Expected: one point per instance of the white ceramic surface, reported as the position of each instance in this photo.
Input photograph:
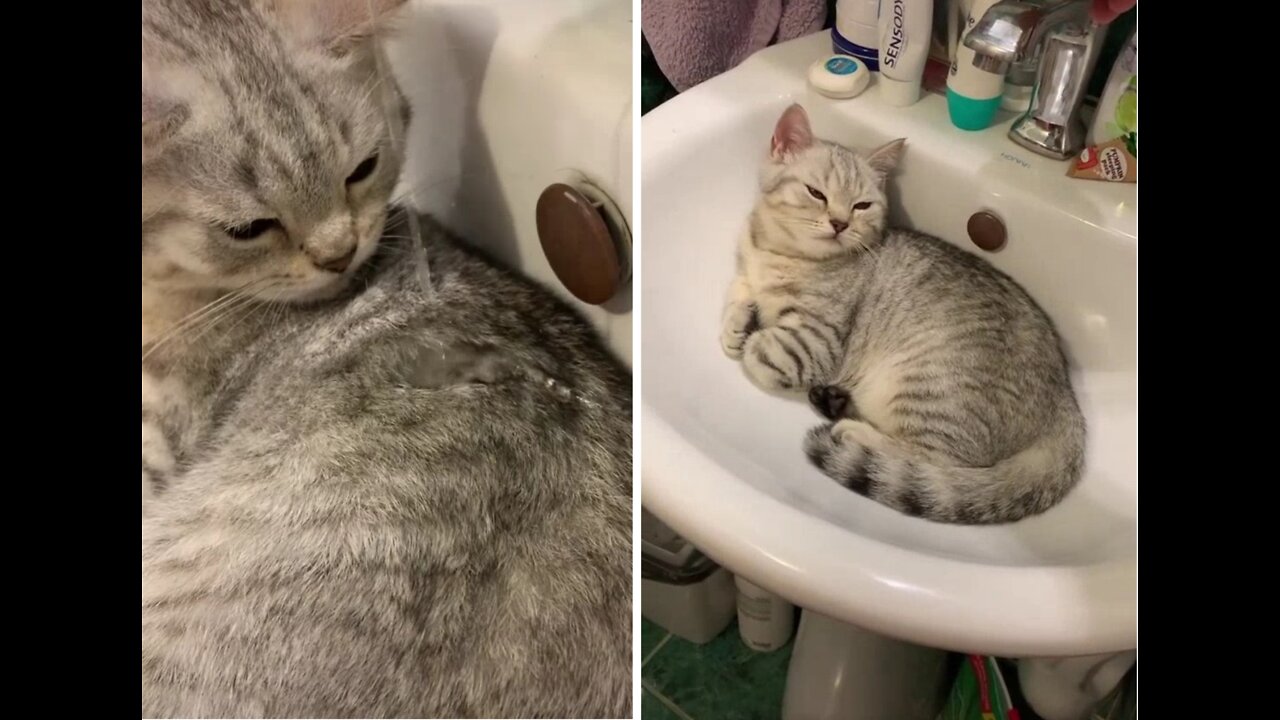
(722, 462)
(507, 96)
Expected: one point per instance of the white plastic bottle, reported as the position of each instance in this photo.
(906, 29)
(1117, 114)
(765, 620)
(973, 95)
(857, 31)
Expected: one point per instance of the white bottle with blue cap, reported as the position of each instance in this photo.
(856, 31)
(973, 94)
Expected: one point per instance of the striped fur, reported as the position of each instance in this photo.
(945, 383)
(361, 499)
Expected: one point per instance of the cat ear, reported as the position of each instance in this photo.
(885, 158)
(336, 25)
(792, 133)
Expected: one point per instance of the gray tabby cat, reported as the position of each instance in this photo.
(367, 500)
(946, 383)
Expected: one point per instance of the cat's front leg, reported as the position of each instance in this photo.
(741, 319)
(775, 361)
(158, 458)
(800, 351)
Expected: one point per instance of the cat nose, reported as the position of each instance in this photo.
(337, 264)
(839, 226)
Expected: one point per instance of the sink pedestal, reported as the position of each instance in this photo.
(1067, 688)
(842, 672)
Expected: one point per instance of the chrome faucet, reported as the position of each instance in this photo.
(1011, 34)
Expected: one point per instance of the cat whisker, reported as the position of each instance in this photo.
(367, 91)
(268, 303)
(211, 313)
(204, 321)
(204, 309)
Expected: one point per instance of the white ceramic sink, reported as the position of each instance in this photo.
(722, 461)
(508, 96)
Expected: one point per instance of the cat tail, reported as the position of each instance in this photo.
(911, 481)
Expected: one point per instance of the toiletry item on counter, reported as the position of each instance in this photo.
(906, 28)
(1019, 86)
(973, 95)
(1110, 161)
(957, 16)
(1016, 97)
(765, 620)
(1117, 115)
(935, 76)
(839, 76)
(857, 31)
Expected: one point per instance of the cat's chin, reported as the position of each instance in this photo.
(311, 292)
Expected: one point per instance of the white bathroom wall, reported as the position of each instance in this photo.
(507, 94)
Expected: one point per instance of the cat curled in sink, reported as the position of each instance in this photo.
(945, 383)
(361, 499)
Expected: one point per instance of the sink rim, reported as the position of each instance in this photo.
(950, 612)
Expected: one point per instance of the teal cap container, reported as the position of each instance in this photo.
(970, 114)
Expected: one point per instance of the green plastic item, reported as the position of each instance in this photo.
(979, 693)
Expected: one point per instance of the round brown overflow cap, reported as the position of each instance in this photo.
(577, 244)
(987, 231)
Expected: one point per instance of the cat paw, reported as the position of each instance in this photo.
(832, 402)
(844, 453)
(768, 363)
(740, 321)
(819, 446)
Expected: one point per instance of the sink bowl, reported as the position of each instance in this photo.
(722, 461)
(509, 97)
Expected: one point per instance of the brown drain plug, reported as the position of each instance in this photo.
(987, 231)
(585, 241)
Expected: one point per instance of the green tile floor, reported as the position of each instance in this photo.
(726, 680)
(722, 680)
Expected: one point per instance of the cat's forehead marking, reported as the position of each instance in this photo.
(293, 142)
(286, 125)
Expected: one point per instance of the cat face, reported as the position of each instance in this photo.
(268, 156)
(823, 199)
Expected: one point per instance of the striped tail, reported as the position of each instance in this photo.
(864, 460)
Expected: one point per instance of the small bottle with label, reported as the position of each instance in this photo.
(765, 620)
(973, 93)
(1117, 115)
(856, 31)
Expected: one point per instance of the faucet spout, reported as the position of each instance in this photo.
(1061, 36)
(1011, 30)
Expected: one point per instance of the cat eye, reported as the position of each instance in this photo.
(363, 170)
(861, 206)
(816, 193)
(253, 230)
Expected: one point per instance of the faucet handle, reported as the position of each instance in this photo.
(1053, 126)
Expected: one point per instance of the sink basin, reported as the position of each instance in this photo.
(508, 97)
(722, 461)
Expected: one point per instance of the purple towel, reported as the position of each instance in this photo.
(695, 40)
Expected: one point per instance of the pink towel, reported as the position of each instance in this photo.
(695, 40)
